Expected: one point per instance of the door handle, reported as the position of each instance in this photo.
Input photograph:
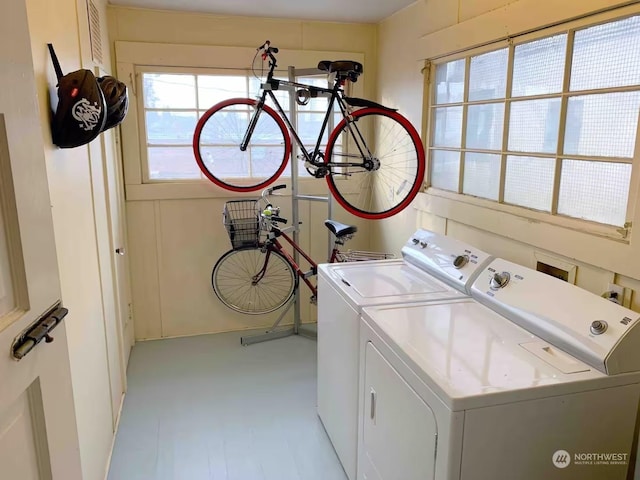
(372, 412)
(120, 251)
(40, 330)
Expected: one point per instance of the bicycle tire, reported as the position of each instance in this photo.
(216, 146)
(232, 281)
(388, 189)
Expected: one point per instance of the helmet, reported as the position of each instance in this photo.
(116, 98)
(80, 113)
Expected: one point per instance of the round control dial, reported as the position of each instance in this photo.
(499, 280)
(460, 261)
(598, 327)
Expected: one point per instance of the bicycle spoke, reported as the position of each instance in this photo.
(233, 280)
(217, 140)
(390, 178)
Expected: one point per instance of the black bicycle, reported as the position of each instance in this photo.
(374, 162)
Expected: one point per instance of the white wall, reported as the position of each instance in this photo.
(175, 231)
(70, 184)
(436, 27)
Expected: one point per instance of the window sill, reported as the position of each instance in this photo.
(176, 190)
(598, 245)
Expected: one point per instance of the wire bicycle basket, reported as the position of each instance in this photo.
(242, 221)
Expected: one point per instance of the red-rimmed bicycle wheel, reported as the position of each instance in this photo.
(216, 145)
(394, 163)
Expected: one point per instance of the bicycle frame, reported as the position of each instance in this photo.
(274, 244)
(314, 159)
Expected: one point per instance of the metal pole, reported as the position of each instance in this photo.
(294, 193)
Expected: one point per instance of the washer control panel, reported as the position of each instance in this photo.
(583, 324)
(452, 261)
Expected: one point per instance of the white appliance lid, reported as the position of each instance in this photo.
(385, 282)
(465, 351)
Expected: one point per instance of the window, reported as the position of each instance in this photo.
(548, 124)
(173, 103)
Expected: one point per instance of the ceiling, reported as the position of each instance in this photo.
(359, 11)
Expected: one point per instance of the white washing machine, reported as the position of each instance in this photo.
(531, 379)
(433, 267)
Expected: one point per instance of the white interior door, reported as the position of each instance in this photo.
(38, 432)
(118, 236)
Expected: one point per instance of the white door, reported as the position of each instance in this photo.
(38, 433)
(112, 331)
(115, 182)
(399, 429)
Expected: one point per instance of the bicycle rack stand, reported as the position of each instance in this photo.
(298, 328)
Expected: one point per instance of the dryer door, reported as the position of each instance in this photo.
(399, 428)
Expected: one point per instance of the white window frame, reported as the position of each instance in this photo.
(554, 218)
(133, 58)
(609, 248)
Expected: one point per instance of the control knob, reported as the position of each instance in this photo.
(423, 244)
(598, 327)
(460, 261)
(499, 280)
(415, 241)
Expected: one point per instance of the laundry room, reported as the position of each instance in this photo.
(319, 240)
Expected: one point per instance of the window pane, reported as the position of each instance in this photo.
(163, 90)
(595, 191)
(482, 175)
(281, 95)
(229, 128)
(538, 67)
(214, 89)
(320, 102)
(257, 162)
(445, 169)
(450, 82)
(607, 55)
(529, 182)
(488, 75)
(485, 126)
(169, 163)
(170, 127)
(533, 125)
(447, 127)
(309, 127)
(602, 125)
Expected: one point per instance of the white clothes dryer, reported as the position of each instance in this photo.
(433, 267)
(531, 379)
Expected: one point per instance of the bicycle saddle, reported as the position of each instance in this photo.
(341, 66)
(340, 229)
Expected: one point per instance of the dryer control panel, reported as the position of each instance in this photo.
(452, 261)
(599, 332)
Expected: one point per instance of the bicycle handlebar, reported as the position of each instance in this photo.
(268, 50)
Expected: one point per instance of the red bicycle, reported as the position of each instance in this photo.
(258, 275)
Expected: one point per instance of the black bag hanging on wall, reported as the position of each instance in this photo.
(80, 113)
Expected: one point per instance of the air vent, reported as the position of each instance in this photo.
(94, 32)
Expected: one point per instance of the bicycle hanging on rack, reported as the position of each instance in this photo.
(258, 275)
(374, 161)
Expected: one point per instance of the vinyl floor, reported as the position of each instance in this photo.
(208, 408)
